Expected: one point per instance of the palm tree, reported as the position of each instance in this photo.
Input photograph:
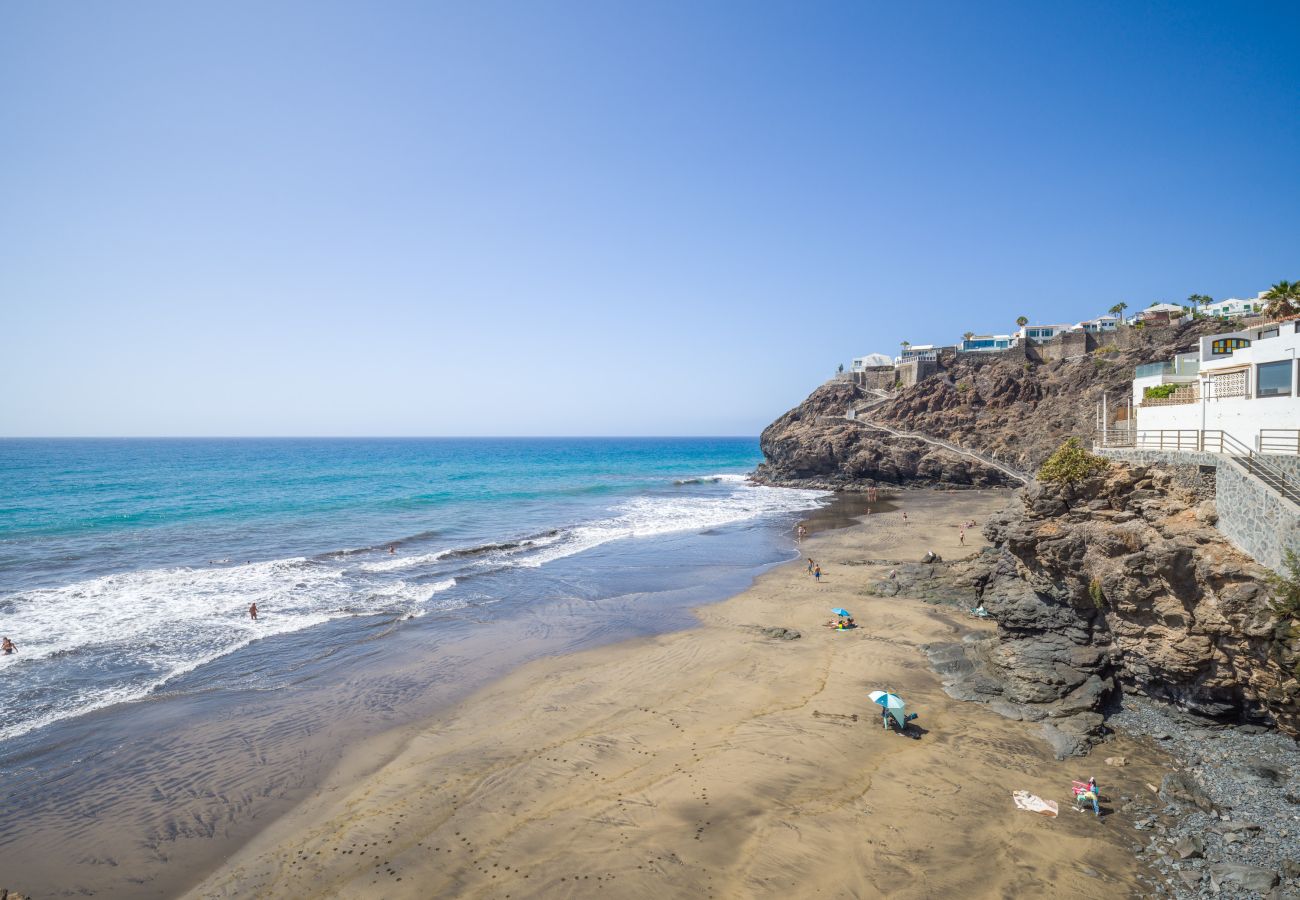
(1199, 300)
(1022, 321)
(968, 335)
(1118, 310)
(1283, 299)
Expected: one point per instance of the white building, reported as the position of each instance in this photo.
(1034, 333)
(1099, 325)
(986, 343)
(1241, 383)
(871, 361)
(1234, 307)
(925, 352)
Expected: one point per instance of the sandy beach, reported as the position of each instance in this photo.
(719, 762)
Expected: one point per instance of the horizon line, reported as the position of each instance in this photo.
(357, 437)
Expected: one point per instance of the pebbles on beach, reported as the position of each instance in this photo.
(1228, 823)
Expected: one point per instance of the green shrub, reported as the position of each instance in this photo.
(1095, 592)
(1286, 588)
(1106, 350)
(963, 386)
(1159, 391)
(1285, 606)
(1071, 464)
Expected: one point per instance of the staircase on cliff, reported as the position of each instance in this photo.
(855, 416)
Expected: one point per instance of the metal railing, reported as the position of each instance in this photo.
(1168, 439)
(1280, 441)
(1224, 444)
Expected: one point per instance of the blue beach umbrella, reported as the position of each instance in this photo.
(891, 702)
(842, 612)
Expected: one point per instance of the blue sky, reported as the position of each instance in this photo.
(600, 218)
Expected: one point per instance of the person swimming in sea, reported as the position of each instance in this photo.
(392, 549)
(7, 646)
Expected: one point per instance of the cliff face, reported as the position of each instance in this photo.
(1012, 409)
(806, 449)
(1122, 581)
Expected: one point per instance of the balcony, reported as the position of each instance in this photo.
(1187, 365)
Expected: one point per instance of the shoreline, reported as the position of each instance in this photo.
(714, 761)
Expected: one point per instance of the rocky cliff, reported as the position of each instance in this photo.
(1118, 582)
(1011, 408)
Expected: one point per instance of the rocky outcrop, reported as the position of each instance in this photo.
(1009, 408)
(1118, 583)
(813, 446)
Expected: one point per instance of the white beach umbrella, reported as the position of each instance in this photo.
(893, 703)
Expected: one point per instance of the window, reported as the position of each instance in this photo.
(1273, 379)
(1224, 346)
(1272, 332)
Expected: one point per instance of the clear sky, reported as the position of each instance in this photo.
(603, 217)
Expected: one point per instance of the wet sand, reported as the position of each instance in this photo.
(717, 762)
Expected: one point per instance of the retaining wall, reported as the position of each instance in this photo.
(1254, 517)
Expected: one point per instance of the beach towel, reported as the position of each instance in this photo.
(1031, 803)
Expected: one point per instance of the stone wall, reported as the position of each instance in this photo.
(881, 378)
(1255, 518)
(912, 371)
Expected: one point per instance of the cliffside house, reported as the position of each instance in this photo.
(986, 343)
(1099, 325)
(923, 352)
(871, 361)
(1159, 313)
(1036, 334)
(1234, 307)
(1242, 384)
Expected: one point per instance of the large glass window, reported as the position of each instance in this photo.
(1273, 379)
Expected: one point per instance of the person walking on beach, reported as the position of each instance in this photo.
(252, 612)
(961, 537)
(802, 532)
(7, 646)
(810, 565)
(817, 573)
(904, 517)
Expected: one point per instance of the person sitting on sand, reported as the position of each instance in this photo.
(7, 646)
(1089, 795)
(849, 623)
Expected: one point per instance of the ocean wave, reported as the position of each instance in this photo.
(657, 515)
(723, 478)
(151, 626)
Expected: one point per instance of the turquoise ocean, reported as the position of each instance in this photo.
(127, 566)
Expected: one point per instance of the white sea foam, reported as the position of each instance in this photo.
(399, 563)
(656, 515)
(166, 622)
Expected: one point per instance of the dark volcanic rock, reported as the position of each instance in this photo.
(1158, 603)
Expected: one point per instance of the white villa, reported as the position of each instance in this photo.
(986, 343)
(1240, 383)
(871, 361)
(1041, 332)
(928, 352)
(1099, 325)
(1233, 307)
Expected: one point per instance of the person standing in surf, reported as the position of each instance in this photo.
(7, 646)
(252, 612)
